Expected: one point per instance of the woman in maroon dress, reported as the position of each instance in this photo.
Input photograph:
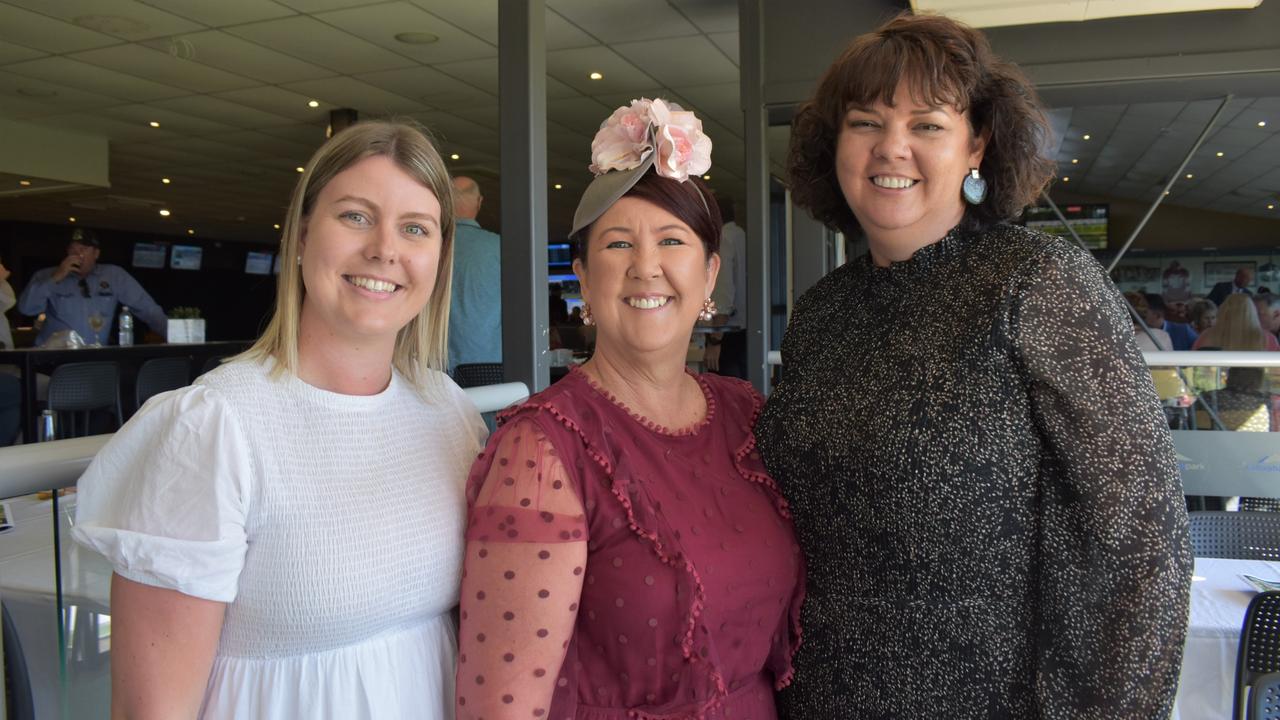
(627, 554)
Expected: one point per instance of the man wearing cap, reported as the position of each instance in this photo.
(81, 295)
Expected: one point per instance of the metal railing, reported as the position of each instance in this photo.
(25, 469)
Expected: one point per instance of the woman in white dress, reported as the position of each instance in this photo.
(286, 533)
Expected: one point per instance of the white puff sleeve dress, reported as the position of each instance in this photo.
(331, 525)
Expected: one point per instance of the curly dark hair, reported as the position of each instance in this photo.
(944, 62)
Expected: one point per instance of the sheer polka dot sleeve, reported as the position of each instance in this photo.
(522, 578)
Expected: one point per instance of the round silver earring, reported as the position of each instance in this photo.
(974, 188)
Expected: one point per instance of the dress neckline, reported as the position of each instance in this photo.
(924, 260)
(687, 431)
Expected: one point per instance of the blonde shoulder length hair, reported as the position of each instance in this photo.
(1238, 327)
(422, 344)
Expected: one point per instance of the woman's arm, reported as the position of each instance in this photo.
(162, 649)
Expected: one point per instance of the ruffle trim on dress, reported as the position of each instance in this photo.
(748, 449)
(694, 613)
(693, 429)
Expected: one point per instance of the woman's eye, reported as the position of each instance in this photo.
(417, 230)
(929, 127)
(861, 124)
(618, 245)
(671, 241)
(355, 217)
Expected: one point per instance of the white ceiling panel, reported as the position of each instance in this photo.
(10, 53)
(222, 111)
(351, 93)
(124, 19)
(54, 99)
(478, 73)
(574, 68)
(215, 151)
(266, 145)
(315, 6)
(278, 101)
(449, 129)
(308, 135)
(428, 86)
(639, 20)
(92, 78)
(582, 115)
(118, 131)
(719, 102)
(561, 34)
(381, 24)
(728, 44)
(681, 61)
(324, 45)
(557, 90)
(711, 16)
(223, 12)
(1240, 136)
(33, 30)
(484, 115)
(221, 50)
(141, 61)
(170, 121)
(478, 17)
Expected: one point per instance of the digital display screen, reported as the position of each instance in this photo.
(258, 263)
(186, 257)
(148, 255)
(1088, 220)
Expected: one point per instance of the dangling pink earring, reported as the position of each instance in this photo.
(587, 319)
(708, 310)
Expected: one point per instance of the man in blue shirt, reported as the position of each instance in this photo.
(1182, 334)
(81, 295)
(475, 311)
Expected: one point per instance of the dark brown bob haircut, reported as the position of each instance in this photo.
(685, 200)
(944, 62)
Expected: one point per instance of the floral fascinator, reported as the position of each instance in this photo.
(645, 134)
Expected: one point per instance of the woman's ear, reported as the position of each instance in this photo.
(713, 272)
(579, 269)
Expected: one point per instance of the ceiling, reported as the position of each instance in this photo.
(229, 83)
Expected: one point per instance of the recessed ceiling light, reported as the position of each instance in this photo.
(276, 226)
(1085, 136)
(455, 156)
(417, 38)
(1220, 153)
(596, 76)
(1075, 161)
(1066, 179)
(1166, 192)
(1190, 175)
(1262, 123)
(165, 213)
(71, 219)
(24, 183)
(1271, 206)
(313, 103)
(300, 169)
(190, 231)
(557, 186)
(154, 124)
(706, 177)
(164, 180)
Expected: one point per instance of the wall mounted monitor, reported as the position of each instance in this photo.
(258, 263)
(186, 257)
(1089, 220)
(148, 255)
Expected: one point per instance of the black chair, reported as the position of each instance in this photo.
(17, 678)
(158, 375)
(76, 390)
(1258, 661)
(477, 374)
(1260, 504)
(211, 363)
(1237, 535)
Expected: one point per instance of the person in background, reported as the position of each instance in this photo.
(1181, 334)
(981, 474)
(10, 382)
(1268, 306)
(727, 350)
(1237, 328)
(286, 533)
(475, 315)
(82, 294)
(1158, 340)
(1237, 285)
(1202, 315)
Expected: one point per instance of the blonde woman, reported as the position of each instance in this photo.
(287, 532)
(1237, 328)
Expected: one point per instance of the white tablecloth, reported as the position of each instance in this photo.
(1219, 598)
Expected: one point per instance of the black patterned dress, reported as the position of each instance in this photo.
(984, 486)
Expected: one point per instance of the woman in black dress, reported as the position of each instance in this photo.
(980, 473)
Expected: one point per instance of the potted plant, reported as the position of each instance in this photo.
(185, 325)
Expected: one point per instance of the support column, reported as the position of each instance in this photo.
(756, 171)
(522, 84)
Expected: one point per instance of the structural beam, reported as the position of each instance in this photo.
(522, 85)
(756, 171)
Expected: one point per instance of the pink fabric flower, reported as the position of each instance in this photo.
(632, 132)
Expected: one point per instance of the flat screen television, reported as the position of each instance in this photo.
(558, 256)
(258, 263)
(1089, 220)
(148, 255)
(186, 257)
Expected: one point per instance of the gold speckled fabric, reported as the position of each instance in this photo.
(985, 489)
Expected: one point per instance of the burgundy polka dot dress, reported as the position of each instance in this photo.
(617, 569)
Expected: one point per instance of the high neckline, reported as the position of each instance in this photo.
(924, 260)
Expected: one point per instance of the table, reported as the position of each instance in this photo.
(1219, 598)
(130, 358)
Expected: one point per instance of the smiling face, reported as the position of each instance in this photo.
(900, 168)
(370, 253)
(646, 277)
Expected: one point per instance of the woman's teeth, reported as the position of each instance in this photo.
(371, 284)
(896, 183)
(648, 303)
